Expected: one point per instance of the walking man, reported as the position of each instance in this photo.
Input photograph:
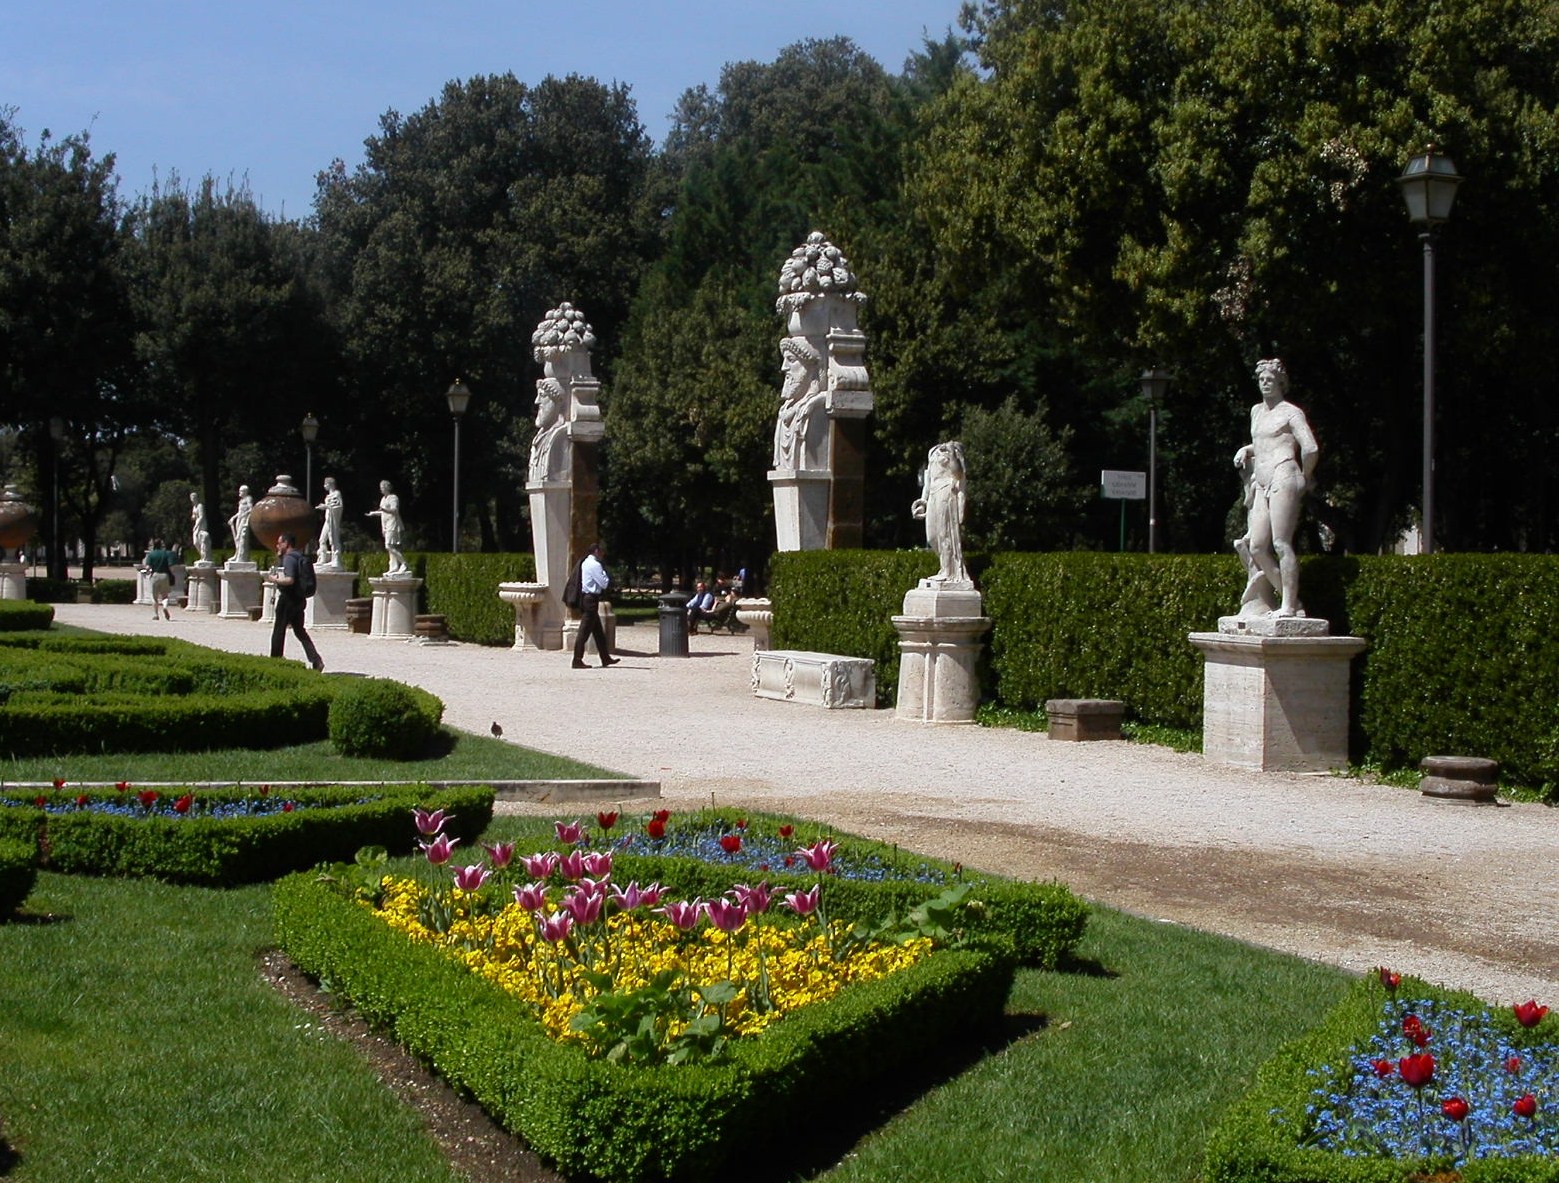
(290, 601)
(593, 582)
(159, 561)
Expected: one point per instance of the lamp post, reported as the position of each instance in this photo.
(459, 397)
(309, 429)
(56, 567)
(1429, 188)
(1155, 383)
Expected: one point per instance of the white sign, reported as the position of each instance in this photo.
(1124, 486)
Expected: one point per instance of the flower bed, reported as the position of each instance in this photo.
(1403, 1082)
(627, 1034)
(220, 836)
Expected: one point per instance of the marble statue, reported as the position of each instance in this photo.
(200, 534)
(547, 451)
(330, 532)
(799, 400)
(389, 515)
(1275, 467)
(941, 504)
(239, 525)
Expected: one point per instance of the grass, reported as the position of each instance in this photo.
(141, 1013)
(460, 756)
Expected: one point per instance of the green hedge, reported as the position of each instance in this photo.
(599, 1119)
(222, 851)
(462, 588)
(380, 718)
(1463, 653)
(18, 873)
(1258, 1139)
(24, 616)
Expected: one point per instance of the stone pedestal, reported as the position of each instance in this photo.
(1276, 703)
(13, 582)
(395, 608)
(551, 504)
(800, 508)
(326, 611)
(240, 589)
(203, 593)
(179, 594)
(757, 613)
(268, 601)
(143, 586)
(817, 679)
(1460, 780)
(940, 637)
(528, 599)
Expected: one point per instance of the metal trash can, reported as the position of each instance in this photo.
(673, 624)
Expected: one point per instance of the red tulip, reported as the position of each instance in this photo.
(606, 820)
(656, 829)
(1383, 1068)
(183, 803)
(147, 797)
(1413, 1027)
(730, 843)
(1513, 1065)
(287, 806)
(40, 800)
(1525, 1106)
(741, 823)
(661, 815)
(121, 785)
(1389, 980)
(1529, 1014)
(59, 782)
(1417, 1070)
(1455, 1108)
(81, 801)
(786, 831)
(265, 790)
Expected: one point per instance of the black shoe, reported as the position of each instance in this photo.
(319, 665)
(606, 661)
(579, 665)
(166, 615)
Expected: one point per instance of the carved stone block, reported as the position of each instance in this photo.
(818, 679)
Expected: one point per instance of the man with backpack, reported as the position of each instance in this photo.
(295, 583)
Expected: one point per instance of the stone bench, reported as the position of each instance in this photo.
(1085, 718)
(818, 679)
(1462, 780)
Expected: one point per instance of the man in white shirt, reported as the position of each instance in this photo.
(593, 582)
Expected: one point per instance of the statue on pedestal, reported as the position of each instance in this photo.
(239, 525)
(547, 445)
(389, 515)
(200, 534)
(330, 533)
(941, 504)
(1276, 467)
(799, 399)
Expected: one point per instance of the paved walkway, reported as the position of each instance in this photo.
(1325, 867)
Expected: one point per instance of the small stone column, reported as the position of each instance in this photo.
(13, 582)
(326, 610)
(941, 634)
(395, 607)
(143, 586)
(203, 593)
(240, 589)
(1275, 694)
(528, 600)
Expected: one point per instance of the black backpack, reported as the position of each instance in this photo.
(307, 583)
(573, 597)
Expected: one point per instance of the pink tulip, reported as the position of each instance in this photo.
(532, 897)
(628, 898)
(584, 907)
(540, 866)
(804, 903)
(598, 864)
(428, 824)
(569, 833)
(472, 877)
(819, 855)
(439, 850)
(754, 899)
(500, 854)
(725, 915)
(557, 927)
(683, 913)
(594, 887)
(572, 865)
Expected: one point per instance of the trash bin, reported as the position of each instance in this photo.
(673, 624)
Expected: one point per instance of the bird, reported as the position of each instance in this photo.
(497, 730)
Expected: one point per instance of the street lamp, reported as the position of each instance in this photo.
(1429, 188)
(459, 397)
(309, 429)
(1155, 384)
(56, 567)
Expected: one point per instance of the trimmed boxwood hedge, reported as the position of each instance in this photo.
(18, 873)
(1257, 1141)
(595, 1118)
(227, 851)
(24, 616)
(462, 588)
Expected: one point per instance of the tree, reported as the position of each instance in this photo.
(466, 222)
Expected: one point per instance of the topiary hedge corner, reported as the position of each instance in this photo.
(25, 616)
(18, 873)
(381, 719)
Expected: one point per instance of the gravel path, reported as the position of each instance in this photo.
(1328, 868)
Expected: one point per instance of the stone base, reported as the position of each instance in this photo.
(204, 595)
(240, 591)
(940, 639)
(1460, 780)
(1078, 719)
(1274, 626)
(395, 607)
(758, 615)
(326, 611)
(1277, 704)
(143, 587)
(13, 582)
(529, 600)
(801, 508)
(817, 679)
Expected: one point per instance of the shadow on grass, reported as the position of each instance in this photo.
(36, 920)
(1085, 967)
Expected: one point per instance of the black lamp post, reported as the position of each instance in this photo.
(1155, 383)
(56, 568)
(459, 398)
(1429, 188)
(309, 429)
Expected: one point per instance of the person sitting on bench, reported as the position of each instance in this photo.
(700, 607)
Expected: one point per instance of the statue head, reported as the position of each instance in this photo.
(801, 364)
(386, 488)
(330, 484)
(550, 398)
(243, 490)
(1272, 375)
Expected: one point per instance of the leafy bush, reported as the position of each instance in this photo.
(43, 590)
(24, 616)
(18, 872)
(113, 591)
(385, 719)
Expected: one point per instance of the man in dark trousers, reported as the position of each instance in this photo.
(593, 582)
(290, 601)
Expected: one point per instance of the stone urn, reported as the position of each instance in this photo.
(18, 520)
(283, 510)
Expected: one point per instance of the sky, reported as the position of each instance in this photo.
(276, 91)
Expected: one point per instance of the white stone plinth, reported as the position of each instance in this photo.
(240, 590)
(1277, 704)
(757, 613)
(13, 582)
(551, 507)
(800, 508)
(528, 600)
(326, 610)
(817, 679)
(203, 593)
(940, 638)
(395, 608)
(143, 586)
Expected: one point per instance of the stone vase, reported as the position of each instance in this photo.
(18, 520)
(283, 510)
